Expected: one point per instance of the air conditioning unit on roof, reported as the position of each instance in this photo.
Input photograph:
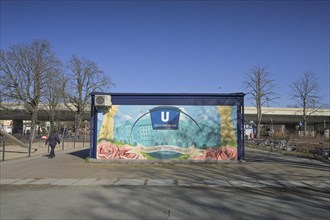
(102, 100)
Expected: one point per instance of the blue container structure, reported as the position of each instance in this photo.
(189, 127)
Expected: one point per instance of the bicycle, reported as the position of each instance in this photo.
(321, 153)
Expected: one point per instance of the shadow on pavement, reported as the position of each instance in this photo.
(81, 153)
(290, 161)
(17, 152)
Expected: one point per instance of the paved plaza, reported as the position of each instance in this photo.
(70, 167)
(266, 186)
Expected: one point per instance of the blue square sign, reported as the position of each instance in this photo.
(165, 118)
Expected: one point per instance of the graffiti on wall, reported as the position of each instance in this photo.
(167, 132)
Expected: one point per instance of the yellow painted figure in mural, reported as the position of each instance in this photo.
(227, 126)
(107, 128)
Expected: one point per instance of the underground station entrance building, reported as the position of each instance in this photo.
(167, 127)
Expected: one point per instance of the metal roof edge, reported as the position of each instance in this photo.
(240, 94)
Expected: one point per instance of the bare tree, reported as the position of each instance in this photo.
(85, 77)
(261, 88)
(23, 73)
(305, 91)
(53, 93)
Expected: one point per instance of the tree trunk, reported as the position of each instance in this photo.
(304, 117)
(259, 116)
(33, 128)
(52, 119)
(305, 126)
(77, 123)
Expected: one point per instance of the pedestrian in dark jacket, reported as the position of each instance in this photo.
(53, 139)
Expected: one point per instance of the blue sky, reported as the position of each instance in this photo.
(181, 46)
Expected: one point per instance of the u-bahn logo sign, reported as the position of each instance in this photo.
(165, 118)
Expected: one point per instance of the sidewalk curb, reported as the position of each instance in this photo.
(205, 183)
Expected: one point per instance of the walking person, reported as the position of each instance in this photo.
(53, 139)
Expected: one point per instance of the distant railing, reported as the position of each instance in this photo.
(67, 142)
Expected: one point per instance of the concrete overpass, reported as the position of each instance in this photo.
(13, 111)
(287, 115)
(283, 116)
(290, 117)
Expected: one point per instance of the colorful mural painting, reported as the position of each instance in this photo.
(174, 132)
(174, 127)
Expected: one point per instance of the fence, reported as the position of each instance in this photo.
(300, 146)
(10, 150)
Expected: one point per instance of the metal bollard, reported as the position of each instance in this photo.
(62, 142)
(63, 134)
(3, 147)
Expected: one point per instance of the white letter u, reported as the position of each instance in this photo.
(167, 116)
